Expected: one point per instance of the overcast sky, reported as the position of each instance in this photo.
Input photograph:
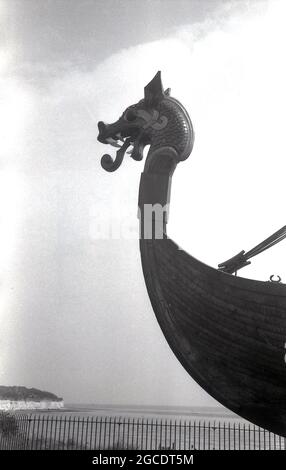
(75, 316)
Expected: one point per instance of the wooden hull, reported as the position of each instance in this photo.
(228, 332)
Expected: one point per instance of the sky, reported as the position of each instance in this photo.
(75, 317)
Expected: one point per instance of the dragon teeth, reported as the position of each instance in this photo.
(112, 141)
(131, 150)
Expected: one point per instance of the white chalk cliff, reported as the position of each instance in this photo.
(23, 398)
(9, 405)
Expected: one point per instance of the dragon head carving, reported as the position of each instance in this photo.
(157, 120)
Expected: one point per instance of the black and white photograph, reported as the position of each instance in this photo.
(142, 226)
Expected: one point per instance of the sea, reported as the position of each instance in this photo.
(178, 413)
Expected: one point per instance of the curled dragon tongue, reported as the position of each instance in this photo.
(156, 120)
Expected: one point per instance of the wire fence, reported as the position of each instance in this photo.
(49, 432)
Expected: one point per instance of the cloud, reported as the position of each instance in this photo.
(230, 75)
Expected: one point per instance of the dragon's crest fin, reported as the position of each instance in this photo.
(154, 91)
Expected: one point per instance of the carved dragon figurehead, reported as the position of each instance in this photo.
(157, 120)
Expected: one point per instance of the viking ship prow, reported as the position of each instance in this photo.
(228, 332)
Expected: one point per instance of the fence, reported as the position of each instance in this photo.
(70, 432)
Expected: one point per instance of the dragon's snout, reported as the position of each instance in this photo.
(101, 126)
(109, 134)
(102, 132)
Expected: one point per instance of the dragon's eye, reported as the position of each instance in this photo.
(130, 115)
